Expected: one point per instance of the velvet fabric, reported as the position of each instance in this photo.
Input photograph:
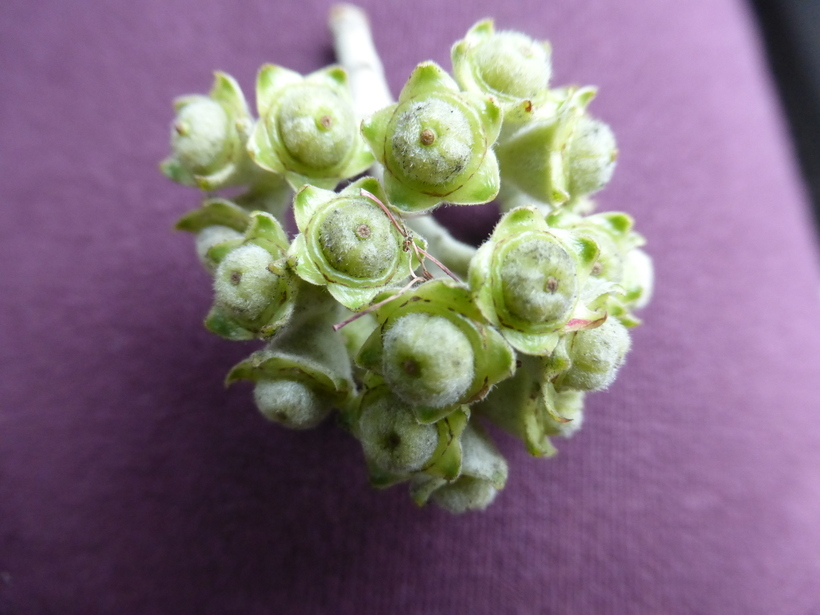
(132, 482)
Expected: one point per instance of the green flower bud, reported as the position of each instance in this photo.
(348, 243)
(246, 283)
(510, 66)
(291, 403)
(596, 355)
(307, 129)
(591, 153)
(435, 143)
(433, 350)
(424, 373)
(483, 475)
(562, 156)
(527, 281)
(391, 436)
(208, 138)
(253, 290)
(639, 278)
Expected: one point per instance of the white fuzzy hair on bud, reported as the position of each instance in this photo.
(199, 135)
(450, 147)
(428, 360)
(393, 439)
(596, 355)
(591, 153)
(482, 468)
(290, 403)
(243, 284)
(210, 236)
(514, 64)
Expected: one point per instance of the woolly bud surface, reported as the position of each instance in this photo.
(357, 239)
(290, 403)
(244, 284)
(512, 63)
(317, 127)
(596, 355)
(539, 280)
(199, 135)
(591, 154)
(432, 141)
(393, 439)
(210, 236)
(428, 360)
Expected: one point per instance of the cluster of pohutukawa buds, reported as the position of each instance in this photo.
(373, 311)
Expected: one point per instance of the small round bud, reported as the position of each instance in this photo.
(290, 403)
(317, 127)
(591, 154)
(467, 493)
(432, 141)
(392, 438)
(512, 63)
(210, 236)
(596, 355)
(357, 239)
(539, 280)
(428, 360)
(244, 283)
(200, 135)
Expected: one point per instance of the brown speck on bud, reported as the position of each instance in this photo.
(362, 231)
(181, 128)
(411, 368)
(596, 268)
(236, 277)
(552, 284)
(427, 137)
(326, 121)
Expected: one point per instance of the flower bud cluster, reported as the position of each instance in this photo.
(415, 364)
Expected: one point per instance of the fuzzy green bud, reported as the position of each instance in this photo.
(290, 403)
(391, 436)
(358, 239)
(435, 143)
(508, 65)
(307, 130)
(539, 279)
(591, 154)
(245, 283)
(596, 356)
(428, 360)
(200, 134)
(317, 126)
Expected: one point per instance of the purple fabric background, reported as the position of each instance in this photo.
(132, 482)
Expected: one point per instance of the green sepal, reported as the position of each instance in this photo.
(214, 212)
(218, 252)
(265, 231)
(374, 129)
(224, 326)
(301, 263)
(481, 187)
(427, 78)
(407, 200)
(446, 459)
(261, 150)
(269, 80)
(226, 90)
